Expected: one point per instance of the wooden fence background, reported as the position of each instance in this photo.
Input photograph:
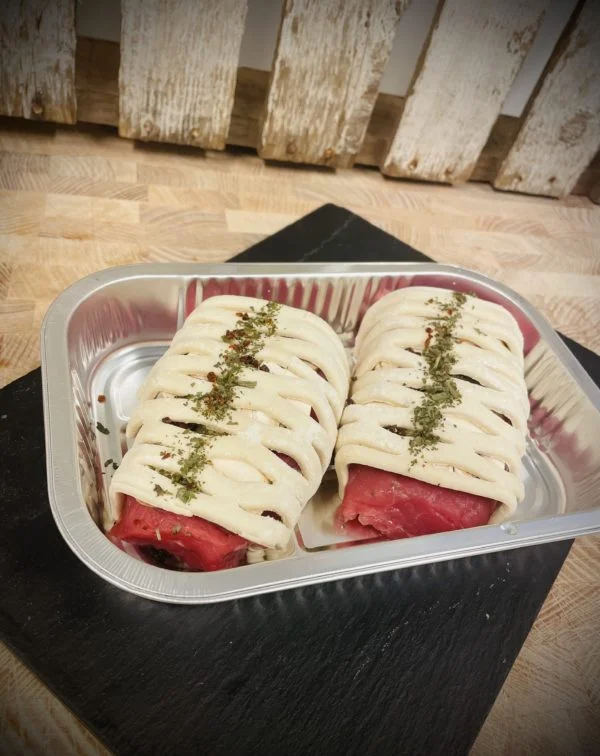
(175, 78)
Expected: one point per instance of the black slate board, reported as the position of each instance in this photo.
(403, 662)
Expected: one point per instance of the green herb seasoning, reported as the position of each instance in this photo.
(191, 463)
(102, 428)
(439, 388)
(244, 342)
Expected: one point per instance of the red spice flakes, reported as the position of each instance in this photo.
(249, 361)
(101, 398)
(243, 344)
(165, 455)
(429, 337)
(212, 377)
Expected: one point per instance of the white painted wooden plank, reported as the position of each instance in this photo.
(37, 59)
(329, 61)
(474, 52)
(178, 69)
(561, 129)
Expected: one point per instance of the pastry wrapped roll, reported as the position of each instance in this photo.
(436, 426)
(234, 430)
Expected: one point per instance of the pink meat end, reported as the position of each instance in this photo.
(380, 503)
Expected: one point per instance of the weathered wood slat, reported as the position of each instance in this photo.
(179, 61)
(98, 102)
(37, 59)
(473, 54)
(561, 129)
(329, 61)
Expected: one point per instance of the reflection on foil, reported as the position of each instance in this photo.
(564, 424)
(102, 323)
(89, 471)
(106, 322)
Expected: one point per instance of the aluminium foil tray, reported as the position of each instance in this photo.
(103, 334)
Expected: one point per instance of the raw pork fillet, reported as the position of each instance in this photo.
(177, 541)
(380, 503)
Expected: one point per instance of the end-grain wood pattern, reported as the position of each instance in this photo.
(179, 61)
(37, 59)
(329, 61)
(474, 52)
(561, 129)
